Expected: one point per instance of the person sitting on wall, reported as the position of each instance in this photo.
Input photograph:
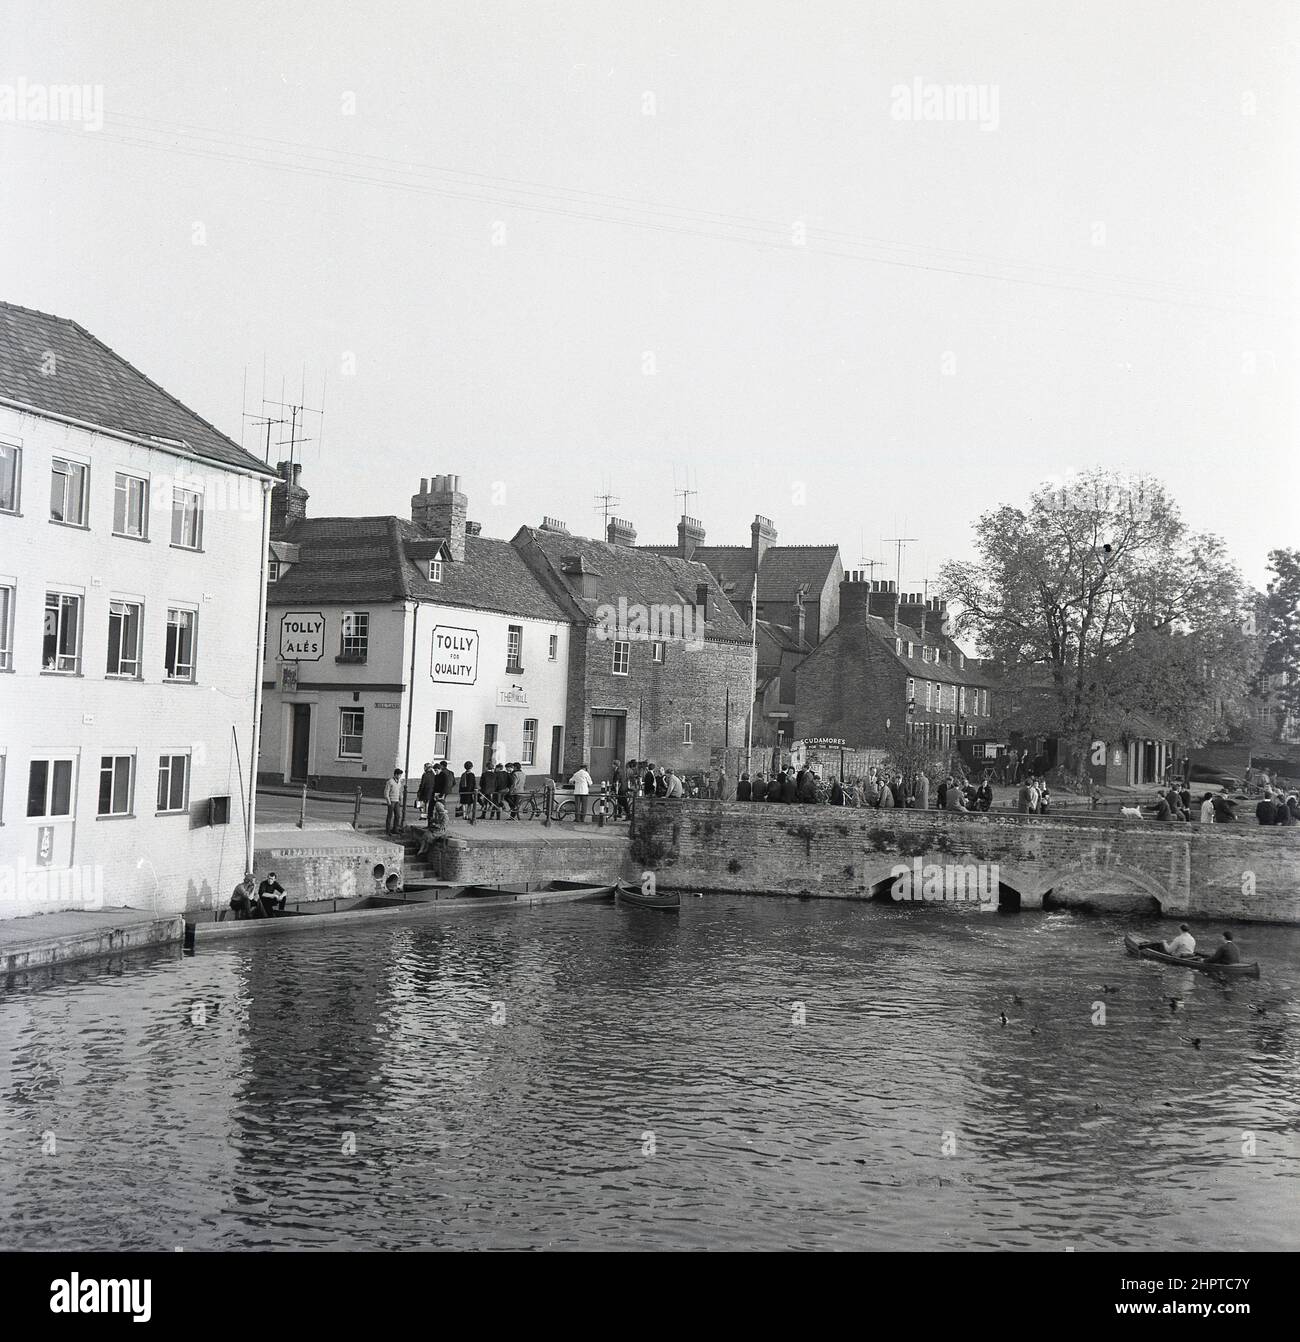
(789, 788)
(744, 789)
(806, 788)
(266, 893)
(435, 832)
(241, 902)
(984, 794)
(1224, 811)
(661, 782)
(724, 791)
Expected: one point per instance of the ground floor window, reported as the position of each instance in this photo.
(352, 729)
(529, 755)
(173, 782)
(49, 788)
(442, 734)
(115, 779)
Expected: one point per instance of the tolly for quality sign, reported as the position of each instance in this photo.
(455, 655)
(302, 636)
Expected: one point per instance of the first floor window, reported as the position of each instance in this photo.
(173, 782)
(49, 788)
(187, 518)
(273, 570)
(435, 570)
(442, 734)
(686, 734)
(61, 649)
(352, 730)
(6, 628)
(68, 492)
(355, 639)
(657, 651)
(130, 506)
(552, 647)
(115, 784)
(529, 755)
(622, 653)
(180, 644)
(514, 649)
(123, 638)
(10, 474)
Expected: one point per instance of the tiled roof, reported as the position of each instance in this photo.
(949, 673)
(356, 559)
(90, 382)
(642, 576)
(784, 570)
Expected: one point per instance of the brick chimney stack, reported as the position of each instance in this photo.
(912, 611)
(619, 532)
(439, 510)
(855, 594)
(939, 620)
(883, 601)
(288, 498)
(762, 534)
(690, 533)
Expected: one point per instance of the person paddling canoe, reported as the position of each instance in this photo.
(1183, 944)
(1226, 953)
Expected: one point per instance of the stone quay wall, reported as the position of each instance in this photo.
(1241, 872)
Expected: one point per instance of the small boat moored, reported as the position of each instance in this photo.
(638, 899)
(1241, 970)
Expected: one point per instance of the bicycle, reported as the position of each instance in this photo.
(533, 804)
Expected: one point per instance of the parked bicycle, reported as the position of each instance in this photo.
(533, 804)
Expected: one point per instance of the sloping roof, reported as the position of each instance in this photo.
(641, 576)
(783, 637)
(951, 673)
(92, 383)
(784, 570)
(359, 559)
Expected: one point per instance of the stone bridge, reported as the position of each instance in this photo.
(1241, 871)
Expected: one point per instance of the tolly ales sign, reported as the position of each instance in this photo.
(302, 636)
(455, 655)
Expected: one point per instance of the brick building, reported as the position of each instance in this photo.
(889, 666)
(660, 664)
(798, 585)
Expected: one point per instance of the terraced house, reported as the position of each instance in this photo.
(392, 641)
(131, 542)
(660, 664)
(889, 667)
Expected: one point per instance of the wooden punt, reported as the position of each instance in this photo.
(1241, 970)
(637, 899)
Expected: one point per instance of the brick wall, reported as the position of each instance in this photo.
(838, 852)
(851, 686)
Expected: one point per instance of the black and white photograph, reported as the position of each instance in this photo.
(659, 628)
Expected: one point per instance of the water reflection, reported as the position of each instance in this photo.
(587, 1076)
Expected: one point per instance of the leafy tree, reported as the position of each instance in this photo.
(1097, 600)
(1280, 632)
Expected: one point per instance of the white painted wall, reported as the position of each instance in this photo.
(145, 860)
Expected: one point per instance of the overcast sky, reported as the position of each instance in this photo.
(554, 247)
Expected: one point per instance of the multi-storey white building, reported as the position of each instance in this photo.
(132, 536)
(393, 642)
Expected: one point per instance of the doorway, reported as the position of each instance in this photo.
(606, 745)
(300, 743)
(557, 738)
(489, 745)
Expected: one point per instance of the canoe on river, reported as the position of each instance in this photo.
(1242, 970)
(634, 897)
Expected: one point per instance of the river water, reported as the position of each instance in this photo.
(761, 1073)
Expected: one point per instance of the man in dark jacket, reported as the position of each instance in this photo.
(807, 789)
(789, 788)
(1224, 811)
(941, 794)
(425, 793)
(744, 789)
(1265, 811)
(648, 780)
(837, 793)
(444, 781)
(984, 794)
(468, 787)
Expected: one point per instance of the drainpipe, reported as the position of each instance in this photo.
(410, 707)
(257, 684)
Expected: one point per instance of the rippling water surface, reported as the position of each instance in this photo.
(592, 1077)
